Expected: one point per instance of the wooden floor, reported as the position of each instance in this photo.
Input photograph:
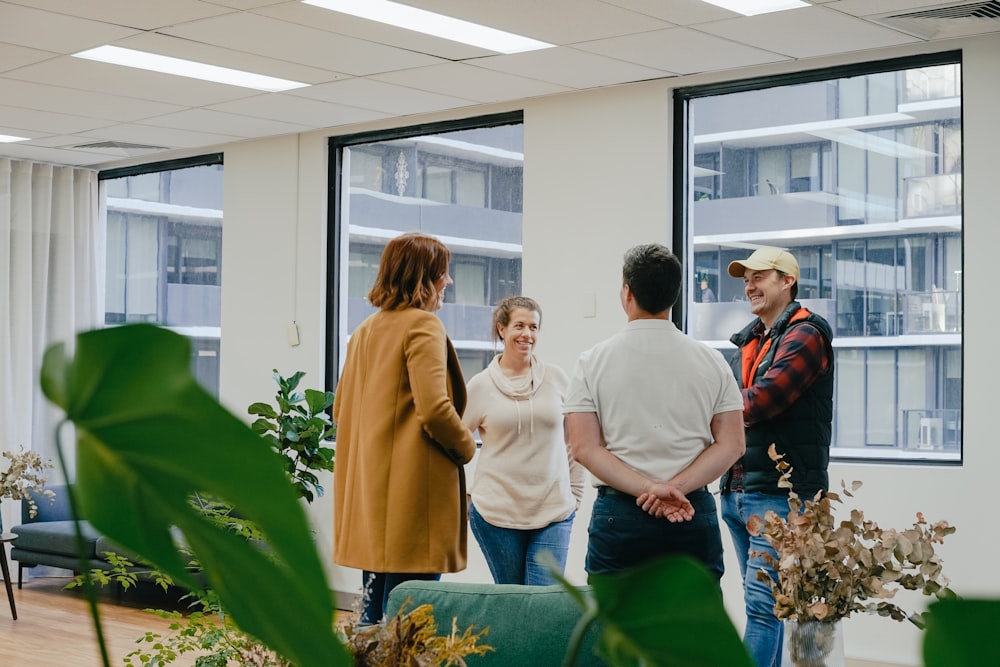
(54, 627)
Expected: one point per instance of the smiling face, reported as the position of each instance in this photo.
(769, 293)
(520, 333)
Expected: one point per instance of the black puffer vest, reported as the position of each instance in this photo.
(802, 432)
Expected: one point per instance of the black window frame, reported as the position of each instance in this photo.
(680, 213)
(336, 146)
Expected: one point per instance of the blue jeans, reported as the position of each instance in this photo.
(622, 535)
(376, 587)
(764, 632)
(514, 556)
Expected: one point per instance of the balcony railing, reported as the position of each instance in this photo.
(933, 196)
(932, 312)
(932, 429)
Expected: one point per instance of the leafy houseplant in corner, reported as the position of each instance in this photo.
(828, 570)
(297, 429)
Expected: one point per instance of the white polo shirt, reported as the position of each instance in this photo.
(655, 391)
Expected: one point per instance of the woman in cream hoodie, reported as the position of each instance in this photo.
(526, 488)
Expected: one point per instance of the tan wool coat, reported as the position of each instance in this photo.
(399, 482)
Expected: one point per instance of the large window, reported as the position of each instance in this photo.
(859, 173)
(459, 182)
(164, 248)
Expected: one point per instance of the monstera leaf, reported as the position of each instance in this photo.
(959, 631)
(666, 613)
(148, 439)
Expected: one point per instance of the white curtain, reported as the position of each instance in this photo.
(51, 244)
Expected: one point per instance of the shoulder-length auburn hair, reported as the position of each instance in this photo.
(411, 264)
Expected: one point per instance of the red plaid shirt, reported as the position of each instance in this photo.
(798, 361)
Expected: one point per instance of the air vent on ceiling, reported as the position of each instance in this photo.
(947, 21)
(122, 148)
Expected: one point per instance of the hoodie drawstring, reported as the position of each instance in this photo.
(531, 415)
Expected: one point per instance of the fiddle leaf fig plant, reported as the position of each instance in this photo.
(149, 438)
(297, 427)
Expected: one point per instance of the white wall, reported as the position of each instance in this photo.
(586, 154)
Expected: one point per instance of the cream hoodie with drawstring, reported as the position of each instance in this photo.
(524, 477)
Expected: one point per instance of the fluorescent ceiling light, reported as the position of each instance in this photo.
(8, 139)
(754, 7)
(116, 55)
(429, 23)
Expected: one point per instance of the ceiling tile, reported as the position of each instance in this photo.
(206, 120)
(62, 140)
(570, 67)
(875, 7)
(361, 70)
(83, 103)
(163, 136)
(53, 155)
(38, 29)
(679, 12)
(47, 122)
(16, 132)
(313, 113)
(281, 40)
(177, 47)
(244, 4)
(807, 32)
(75, 73)
(12, 56)
(556, 21)
(381, 96)
(459, 80)
(130, 13)
(682, 50)
(370, 31)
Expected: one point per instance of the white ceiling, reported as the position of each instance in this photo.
(363, 71)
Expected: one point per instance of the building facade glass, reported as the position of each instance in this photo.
(164, 255)
(860, 176)
(463, 186)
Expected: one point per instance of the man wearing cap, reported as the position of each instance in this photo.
(784, 367)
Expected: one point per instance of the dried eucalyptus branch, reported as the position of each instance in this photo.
(828, 570)
(25, 473)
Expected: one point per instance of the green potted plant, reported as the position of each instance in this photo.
(297, 427)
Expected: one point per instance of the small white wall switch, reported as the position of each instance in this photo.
(293, 334)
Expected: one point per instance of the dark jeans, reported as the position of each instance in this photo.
(376, 587)
(622, 535)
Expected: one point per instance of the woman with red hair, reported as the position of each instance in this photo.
(400, 508)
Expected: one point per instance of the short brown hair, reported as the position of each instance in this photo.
(653, 274)
(410, 265)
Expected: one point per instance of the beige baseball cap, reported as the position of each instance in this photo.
(766, 258)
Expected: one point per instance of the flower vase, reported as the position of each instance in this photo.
(814, 643)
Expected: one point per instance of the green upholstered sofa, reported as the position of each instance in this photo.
(528, 625)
